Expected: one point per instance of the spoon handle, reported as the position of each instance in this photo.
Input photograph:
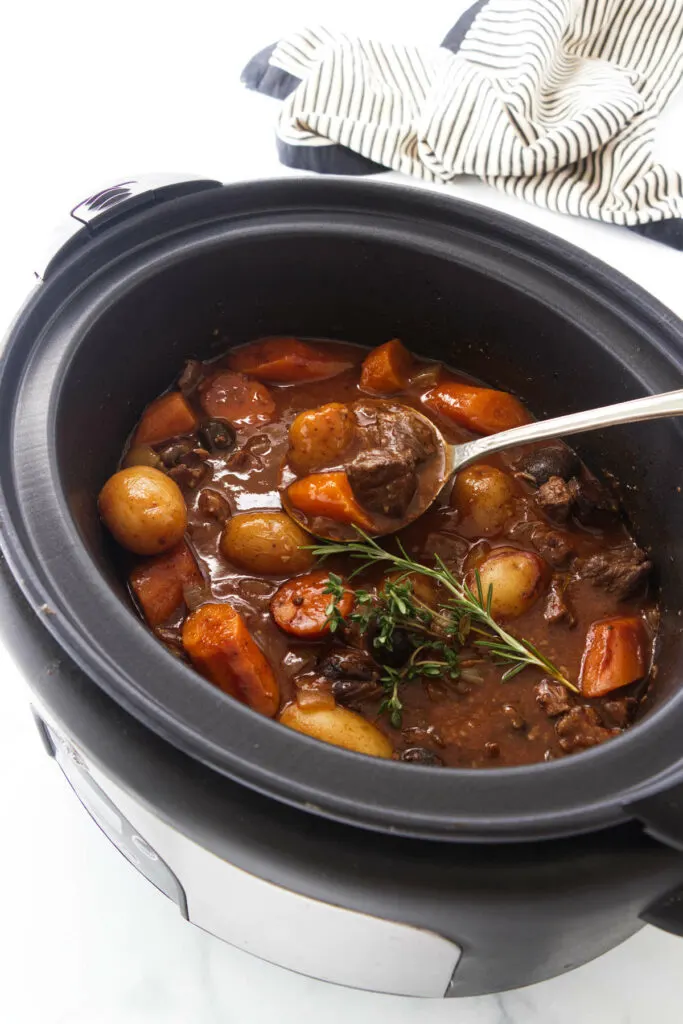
(653, 407)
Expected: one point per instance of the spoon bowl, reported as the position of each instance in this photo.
(432, 479)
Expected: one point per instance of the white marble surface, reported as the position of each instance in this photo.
(90, 92)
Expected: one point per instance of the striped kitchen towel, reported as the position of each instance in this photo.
(553, 101)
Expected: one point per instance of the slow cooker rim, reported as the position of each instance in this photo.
(607, 811)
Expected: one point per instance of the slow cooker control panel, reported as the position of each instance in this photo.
(323, 940)
(134, 847)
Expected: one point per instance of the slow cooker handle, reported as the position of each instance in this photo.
(661, 815)
(109, 205)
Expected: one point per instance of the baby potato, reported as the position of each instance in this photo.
(338, 726)
(517, 577)
(266, 542)
(483, 496)
(144, 510)
(317, 437)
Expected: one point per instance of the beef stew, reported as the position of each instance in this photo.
(225, 481)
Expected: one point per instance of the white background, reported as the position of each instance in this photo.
(91, 93)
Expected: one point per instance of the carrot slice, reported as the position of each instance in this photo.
(614, 655)
(387, 368)
(286, 361)
(165, 417)
(231, 396)
(158, 582)
(329, 495)
(301, 605)
(318, 436)
(221, 647)
(480, 409)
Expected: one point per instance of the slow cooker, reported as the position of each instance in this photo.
(363, 872)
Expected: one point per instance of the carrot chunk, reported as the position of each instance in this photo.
(231, 396)
(615, 655)
(165, 417)
(158, 582)
(387, 368)
(301, 605)
(480, 409)
(328, 495)
(318, 436)
(285, 361)
(221, 647)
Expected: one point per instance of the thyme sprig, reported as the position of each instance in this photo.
(396, 611)
(434, 633)
(335, 588)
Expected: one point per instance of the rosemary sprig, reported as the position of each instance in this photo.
(467, 612)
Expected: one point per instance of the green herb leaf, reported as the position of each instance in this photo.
(465, 614)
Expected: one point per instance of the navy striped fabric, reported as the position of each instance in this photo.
(553, 101)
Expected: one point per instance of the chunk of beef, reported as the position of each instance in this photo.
(352, 692)
(354, 676)
(621, 571)
(383, 480)
(581, 496)
(241, 461)
(553, 698)
(555, 498)
(557, 607)
(592, 503)
(188, 474)
(248, 457)
(394, 428)
(581, 728)
(412, 431)
(556, 547)
(395, 440)
(350, 663)
(184, 462)
(543, 463)
(618, 713)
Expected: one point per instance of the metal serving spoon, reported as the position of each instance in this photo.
(458, 456)
(653, 407)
